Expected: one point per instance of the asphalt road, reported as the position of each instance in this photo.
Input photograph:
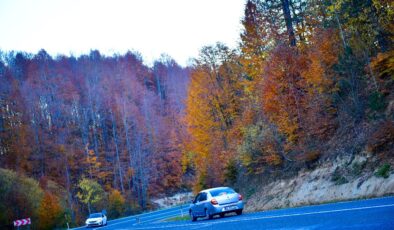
(362, 214)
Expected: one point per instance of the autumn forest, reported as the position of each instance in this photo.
(82, 134)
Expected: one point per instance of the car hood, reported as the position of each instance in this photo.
(95, 219)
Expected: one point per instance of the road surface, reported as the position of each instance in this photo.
(362, 214)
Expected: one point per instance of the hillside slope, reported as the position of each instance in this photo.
(319, 186)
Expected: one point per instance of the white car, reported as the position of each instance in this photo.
(96, 219)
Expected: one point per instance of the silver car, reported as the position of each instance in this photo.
(216, 201)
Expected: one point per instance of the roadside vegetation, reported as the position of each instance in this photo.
(383, 171)
(178, 218)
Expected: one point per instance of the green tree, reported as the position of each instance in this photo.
(91, 193)
(20, 197)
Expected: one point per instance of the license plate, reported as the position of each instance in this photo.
(230, 208)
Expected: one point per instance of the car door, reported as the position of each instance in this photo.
(201, 204)
(194, 206)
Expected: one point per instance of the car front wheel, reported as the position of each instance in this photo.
(239, 212)
(192, 216)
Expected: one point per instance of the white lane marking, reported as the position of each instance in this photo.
(269, 217)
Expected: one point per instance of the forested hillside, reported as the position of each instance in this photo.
(111, 121)
(310, 81)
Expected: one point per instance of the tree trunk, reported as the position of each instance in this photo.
(69, 193)
(117, 152)
(289, 22)
(89, 208)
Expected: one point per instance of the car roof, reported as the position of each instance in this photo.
(95, 213)
(212, 189)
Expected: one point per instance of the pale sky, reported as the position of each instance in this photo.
(152, 27)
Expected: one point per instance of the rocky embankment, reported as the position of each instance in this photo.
(343, 179)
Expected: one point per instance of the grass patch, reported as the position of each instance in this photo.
(383, 171)
(178, 218)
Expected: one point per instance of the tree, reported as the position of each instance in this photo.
(212, 107)
(255, 44)
(20, 197)
(260, 148)
(116, 204)
(50, 212)
(94, 116)
(91, 193)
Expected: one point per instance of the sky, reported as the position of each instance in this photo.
(179, 28)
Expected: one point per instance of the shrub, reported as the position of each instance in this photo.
(116, 204)
(357, 168)
(231, 172)
(337, 177)
(250, 192)
(20, 197)
(382, 140)
(201, 182)
(50, 212)
(259, 149)
(383, 171)
(312, 156)
(376, 101)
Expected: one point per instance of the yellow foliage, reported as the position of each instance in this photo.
(116, 204)
(212, 106)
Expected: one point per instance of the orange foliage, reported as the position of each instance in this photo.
(383, 66)
(116, 204)
(295, 82)
(382, 140)
(49, 212)
(212, 107)
(282, 91)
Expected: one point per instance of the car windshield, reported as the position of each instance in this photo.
(221, 192)
(95, 215)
